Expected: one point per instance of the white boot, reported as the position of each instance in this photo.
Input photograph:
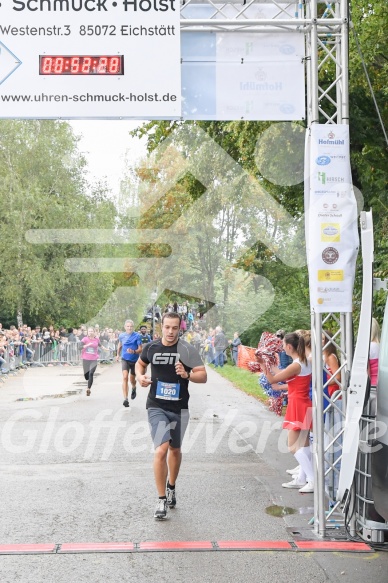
(303, 455)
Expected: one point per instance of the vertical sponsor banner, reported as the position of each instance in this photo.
(331, 220)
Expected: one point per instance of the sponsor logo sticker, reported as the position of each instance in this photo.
(330, 232)
(323, 160)
(330, 275)
(330, 255)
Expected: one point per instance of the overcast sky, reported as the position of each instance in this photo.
(106, 144)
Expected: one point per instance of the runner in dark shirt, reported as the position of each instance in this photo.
(173, 363)
(144, 336)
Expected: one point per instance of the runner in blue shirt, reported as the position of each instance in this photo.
(128, 349)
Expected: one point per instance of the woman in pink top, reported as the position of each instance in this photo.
(89, 356)
(298, 416)
(374, 352)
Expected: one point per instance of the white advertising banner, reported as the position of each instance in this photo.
(229, 76)
(331, 220)
(267, 90)
(90, 59)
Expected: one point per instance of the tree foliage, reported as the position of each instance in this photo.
(42, 186)
(221, 199)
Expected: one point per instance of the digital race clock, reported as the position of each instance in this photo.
(81, 65)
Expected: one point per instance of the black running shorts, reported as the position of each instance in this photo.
(128, 366)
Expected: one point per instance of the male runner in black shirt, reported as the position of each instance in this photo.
(173, 362)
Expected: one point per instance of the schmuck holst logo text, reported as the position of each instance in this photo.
(94, 5)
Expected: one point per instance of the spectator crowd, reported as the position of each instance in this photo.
(50, 345)
(29, 345)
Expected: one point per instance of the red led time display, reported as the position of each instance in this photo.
(81, 65)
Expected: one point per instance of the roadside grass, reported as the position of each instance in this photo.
(242, 379)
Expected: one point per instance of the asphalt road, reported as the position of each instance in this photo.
(79, 469)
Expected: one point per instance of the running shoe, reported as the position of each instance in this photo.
(161, 509)
(293, 471)
(126, 403)
(294, 484)
(133, 394)
(88, 392)
(171, 498)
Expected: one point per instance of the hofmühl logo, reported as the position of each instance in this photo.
(322, 142)
(331, 141)
(323, 160)
(330, 255)
(265, 86)
(170, 358)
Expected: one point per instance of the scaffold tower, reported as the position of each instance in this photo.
(325, 26)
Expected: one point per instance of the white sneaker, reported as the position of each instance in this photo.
(307, 488)
(293, 484)
(293, 471)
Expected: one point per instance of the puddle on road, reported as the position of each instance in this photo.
(279, 511)
(56, 396)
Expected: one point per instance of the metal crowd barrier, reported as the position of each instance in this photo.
(11, 361)
(364, 520)
(18, 356)
(67, 353)
(332, 425)
(370, 525)
(56, 353)
(334, 417)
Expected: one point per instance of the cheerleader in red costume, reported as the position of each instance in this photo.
(298, 418)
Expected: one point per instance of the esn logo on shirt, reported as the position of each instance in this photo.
(159, 358)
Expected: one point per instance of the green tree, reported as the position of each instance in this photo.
(224, 222)
(42, 186)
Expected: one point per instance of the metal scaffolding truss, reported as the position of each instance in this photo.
(235, 15)
(325, 26)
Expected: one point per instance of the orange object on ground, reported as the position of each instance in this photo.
(244, 355)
